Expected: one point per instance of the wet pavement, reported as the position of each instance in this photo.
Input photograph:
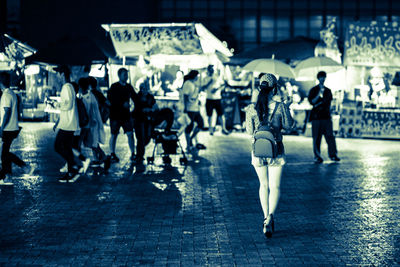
(206, 213)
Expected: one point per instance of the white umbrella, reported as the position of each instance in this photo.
(269, 65)
(309, 68)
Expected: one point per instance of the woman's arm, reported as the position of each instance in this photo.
(287, 120)
(250, 124)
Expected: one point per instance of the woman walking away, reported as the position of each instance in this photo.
(269, 109)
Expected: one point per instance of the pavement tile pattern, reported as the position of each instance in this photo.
(207, 213)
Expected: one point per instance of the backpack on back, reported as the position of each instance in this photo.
(104, 112)
(265, 145)
(82, 113)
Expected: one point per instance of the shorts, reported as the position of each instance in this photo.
(280, 160)
(115, 125)
(194, 117)
(212, 104)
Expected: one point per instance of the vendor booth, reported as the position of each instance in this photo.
(13, 53)
(161, 54)
(81, 55)
(147, 49)
(372, 58)
(12, 59)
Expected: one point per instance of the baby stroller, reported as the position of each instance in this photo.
(170, 144)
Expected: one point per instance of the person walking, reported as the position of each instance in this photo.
(269, 107)
(68, 124)
(104, 109)
(192, 107)
(213, 102)
(94, 134)
(9, 130)
(103, 103)
(320, 97)
(119, 95)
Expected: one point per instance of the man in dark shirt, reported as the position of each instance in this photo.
(320, 97)
(119, 95)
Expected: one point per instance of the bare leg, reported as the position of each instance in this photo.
(262, 173)
(210, 127)
(188, 141)
(131, 142)
(223, 120)
(195, 131)
(274, 174)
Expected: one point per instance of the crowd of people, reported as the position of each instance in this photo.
(84, 110)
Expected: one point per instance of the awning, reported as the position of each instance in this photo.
(132, 40)
(12, 50)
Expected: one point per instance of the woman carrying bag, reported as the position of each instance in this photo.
(270, 109)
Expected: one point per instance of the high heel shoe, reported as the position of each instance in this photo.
(268, 226)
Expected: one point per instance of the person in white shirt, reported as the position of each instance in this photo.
(192, 107)
(9, 129)
(67, 125)
(213, 85)
(95, 135)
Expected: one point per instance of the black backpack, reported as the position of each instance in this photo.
(82, 113)
(104, 108)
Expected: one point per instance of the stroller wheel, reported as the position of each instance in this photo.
(167, 160)
(150, 160)
(183, 161)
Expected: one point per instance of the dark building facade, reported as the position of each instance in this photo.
(255, 22)
(10, 17)
(242, 23)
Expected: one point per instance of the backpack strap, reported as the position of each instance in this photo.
(272, 115)
(273, 112)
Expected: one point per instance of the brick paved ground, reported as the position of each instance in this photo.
(207, 213)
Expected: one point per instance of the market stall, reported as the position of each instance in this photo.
(372, 58)
(155, 46)
(12, 59)
(160, 54)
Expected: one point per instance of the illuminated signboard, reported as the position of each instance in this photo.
(372, 44)
(137, 40)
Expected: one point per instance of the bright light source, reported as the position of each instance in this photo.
(141, 63)
(32, 69)
(376, 72)
(98, 70)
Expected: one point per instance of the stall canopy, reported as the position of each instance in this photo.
(13, 51)
(169, 43)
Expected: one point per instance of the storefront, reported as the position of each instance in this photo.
(12, 59)
(372, 60)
